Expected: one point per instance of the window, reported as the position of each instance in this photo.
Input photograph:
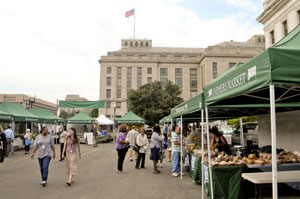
(108, 116)
(259, 39)
(193, 71)
(178, 71)
(118, 93)
(142, 44)
(298, 15)
(231, 64)
(139, 82)
(149, 80)
(119, 82)
(193, 83)
(215, 69)
(108, 104)
(163, 80)
(119, 71)
(108, 81)
(126, 43)
(139, 71)
(129, 70)
(108, 70)
(129, 83)
(272, 36)
(136, 44)
(178, 82)
(147, 44)
(131, 44)
(108, 93)
(118, 104)
(149, 71)
(285, 27)
(163, 72)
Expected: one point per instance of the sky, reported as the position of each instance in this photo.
(49, 49)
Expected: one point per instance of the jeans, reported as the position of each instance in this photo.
(141, 156)
(44, 166)
(176, 162)
(8, 146)
(121, 155)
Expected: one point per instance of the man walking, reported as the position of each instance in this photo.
(9, 140)
(176, 148)
(132, 135)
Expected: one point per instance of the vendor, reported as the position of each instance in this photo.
(218, 141)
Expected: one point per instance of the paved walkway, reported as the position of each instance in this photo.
(97, 178)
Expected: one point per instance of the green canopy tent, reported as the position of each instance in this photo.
(45, 116)
(81, 104)
(271, 79)
(81, 118)
(130, 118)
(18, 112)
(5, 116)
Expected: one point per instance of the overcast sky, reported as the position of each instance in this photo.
(51, 48)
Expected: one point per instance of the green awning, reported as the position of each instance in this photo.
(5, 116)
(81, 118)
(167, 119)
(18, 112)
(190, 106)
(249, 83)
(130, 118)
(45, 116)
(81, 104)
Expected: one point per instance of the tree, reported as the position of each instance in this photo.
(94, 113)
(236, 122)
(154, 101)
(63, 114)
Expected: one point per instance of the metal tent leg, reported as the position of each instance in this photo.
(202, 147)
(209, 153)
(274, 146)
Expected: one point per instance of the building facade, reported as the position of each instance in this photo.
(28, 101)
(138, 63)
(279, 18)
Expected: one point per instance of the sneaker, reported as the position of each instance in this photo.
(43, 183)
(131, 159)
(161, 166)
(175, 174)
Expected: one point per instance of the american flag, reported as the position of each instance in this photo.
(129, 13)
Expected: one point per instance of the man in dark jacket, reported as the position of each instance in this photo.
(2, 144)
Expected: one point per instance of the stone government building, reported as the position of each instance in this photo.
(138, 63)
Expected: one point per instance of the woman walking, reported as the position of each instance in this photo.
(44, 144)
(142, 142)
(71, 142)
(156, 144)
(28, 140)
(62, 138)
(121, 147)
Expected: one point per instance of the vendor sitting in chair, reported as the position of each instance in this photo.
(218, 141)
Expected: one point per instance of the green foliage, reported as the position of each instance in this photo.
(63, 114)
(236, 122)
(94, 113)
(154, 101)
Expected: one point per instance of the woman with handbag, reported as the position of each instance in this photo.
(28, 140)
(156, 145)
(142, 143)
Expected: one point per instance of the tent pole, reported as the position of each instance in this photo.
(273, 137)
(242, 141)
(181, 149)
(209, 153)
(202, 147)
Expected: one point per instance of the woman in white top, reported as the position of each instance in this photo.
(142, 142)
(28, 140)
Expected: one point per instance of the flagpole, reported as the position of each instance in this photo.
(134, 25)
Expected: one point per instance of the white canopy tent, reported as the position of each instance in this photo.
(102, 120)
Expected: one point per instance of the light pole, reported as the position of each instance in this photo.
(115, 122)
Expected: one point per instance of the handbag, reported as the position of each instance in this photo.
(136, 148)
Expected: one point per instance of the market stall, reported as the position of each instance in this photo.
(80, 120)
(130, 119)
(246, 89)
